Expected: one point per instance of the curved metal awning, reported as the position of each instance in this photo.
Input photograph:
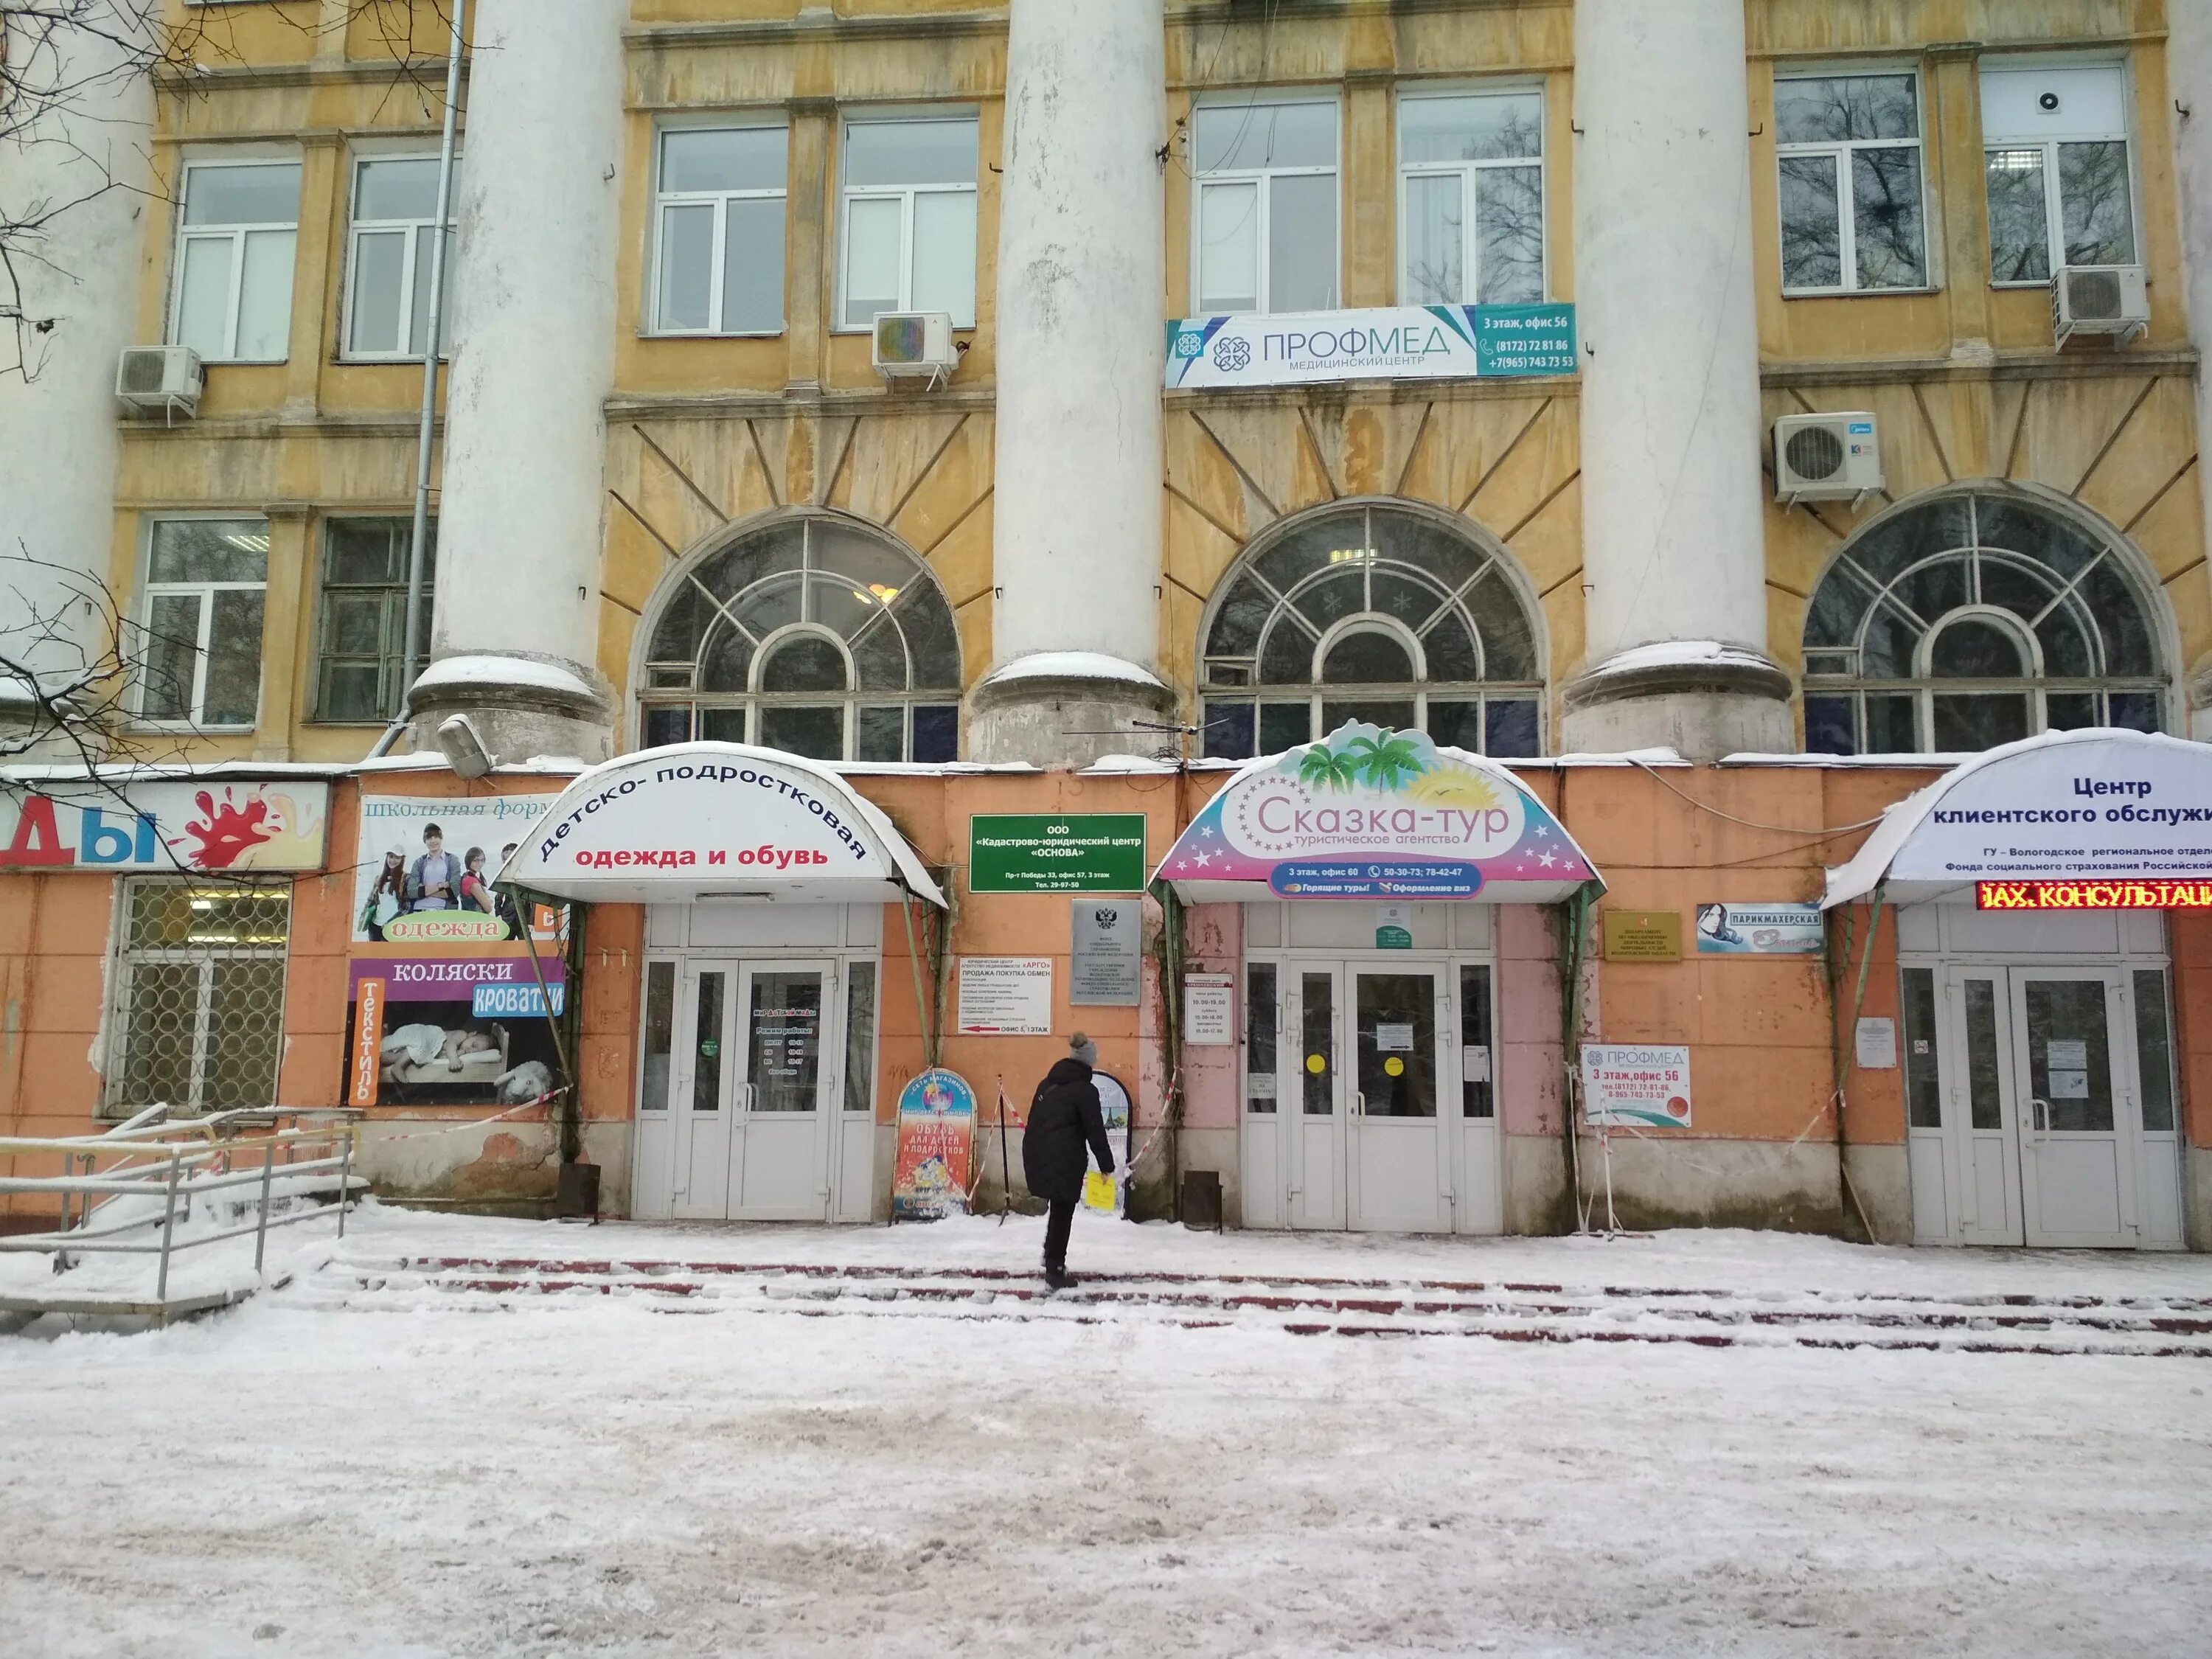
(1369, 814)
(2092, 805)
(716, 820)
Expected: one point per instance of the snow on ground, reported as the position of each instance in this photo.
(601, 1474)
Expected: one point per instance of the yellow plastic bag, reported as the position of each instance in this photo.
(1098, 1191)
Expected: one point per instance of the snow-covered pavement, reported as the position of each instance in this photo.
(449, 1436)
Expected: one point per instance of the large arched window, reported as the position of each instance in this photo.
(1372, 613)
(1976, 618)
(812, 634)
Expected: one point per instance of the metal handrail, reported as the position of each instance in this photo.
(175, 1169)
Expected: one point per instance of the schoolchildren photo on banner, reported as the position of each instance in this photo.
(450, 984)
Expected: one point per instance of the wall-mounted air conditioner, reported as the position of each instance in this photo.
(2112, 300)
(915, 345)
(167, 378)
(1827, 458)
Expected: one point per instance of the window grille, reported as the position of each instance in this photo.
(198, 1018)
(1371, 612)
(1976, 618)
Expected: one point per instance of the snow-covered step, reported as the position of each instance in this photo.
(2165, 1326)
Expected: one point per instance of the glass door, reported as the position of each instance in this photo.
(2078, 1121)
(1400, 1171)
(1978, 1109)
(1315, 1094)
(785, 1106)
(701, 1096)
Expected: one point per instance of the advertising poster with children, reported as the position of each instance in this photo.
(446, 1004)
(936, 1125)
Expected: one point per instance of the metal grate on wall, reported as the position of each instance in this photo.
(198, 1019)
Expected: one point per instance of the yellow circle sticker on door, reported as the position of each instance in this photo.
(1394, 1067)
(1316, 1064)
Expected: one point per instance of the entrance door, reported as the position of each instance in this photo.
(779, 1165)
(1399, 1170)
(1359, 1092)
(1983, 1108)
(2077, 1116)
(700, 1122)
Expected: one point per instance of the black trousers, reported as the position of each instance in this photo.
(1056, 1227)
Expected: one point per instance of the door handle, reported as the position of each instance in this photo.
(2039, 1117)
(1359, 1104)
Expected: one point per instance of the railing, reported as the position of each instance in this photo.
(145, 1175)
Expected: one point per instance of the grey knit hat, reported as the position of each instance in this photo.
(1081, 1048)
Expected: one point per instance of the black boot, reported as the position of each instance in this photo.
(1057, 1279)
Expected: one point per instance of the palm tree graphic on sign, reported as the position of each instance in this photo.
(1323, 769)
(1386, 761)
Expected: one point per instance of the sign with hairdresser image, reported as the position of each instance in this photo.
(450, 982)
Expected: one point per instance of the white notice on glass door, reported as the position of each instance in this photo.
(1390, 1037)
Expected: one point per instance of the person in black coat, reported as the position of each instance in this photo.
(1064, 1120)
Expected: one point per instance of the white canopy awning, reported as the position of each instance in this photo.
(1369, 814)
(2098, 805)
(716, 820)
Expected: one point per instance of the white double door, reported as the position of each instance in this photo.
(753, 1096)
(1368, 1131)
(2042, 1131)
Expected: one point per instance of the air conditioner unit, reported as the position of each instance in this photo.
(915, 345)
(2112, 299)
(1827, 458)
(167, 378)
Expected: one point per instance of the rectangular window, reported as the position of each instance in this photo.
(389, 257)
(1471, 160)
(1854, 215)
(2061, 182)
(362, 633)
(2153, 1050)
(200, 996)
(1260, 1016)
(659, 1034)
(1924, 1092)
(718, 217)
(231, 300)
(1265, 237)
(1478, 1053)
(206, 582)
(908, 219)
(860, 1037)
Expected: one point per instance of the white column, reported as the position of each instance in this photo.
(2189, 80)
(85, 162)
(1081, 280)
(515, 628)
(1673, 551)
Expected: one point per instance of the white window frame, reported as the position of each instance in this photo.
(1264, 194)
(1409, 171)
(149, 589)
(1847, 242)
(235, 236)
(357, 228)
(720, 200)
(2054, 219)
(848, 194)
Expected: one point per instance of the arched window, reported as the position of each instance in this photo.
(1371, 612)
(1973, 619)
(812, 634)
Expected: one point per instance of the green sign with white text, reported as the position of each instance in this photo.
(1038, 853)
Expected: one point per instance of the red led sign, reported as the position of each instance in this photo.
(2092, 895)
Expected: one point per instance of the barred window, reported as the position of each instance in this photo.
(814, 634)
(1974, 619)
(361, 635)
(1371, 612)
(199, 1012)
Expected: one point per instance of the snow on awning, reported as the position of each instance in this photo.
(2096, 804)
(1370, 813)
(716, 820)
